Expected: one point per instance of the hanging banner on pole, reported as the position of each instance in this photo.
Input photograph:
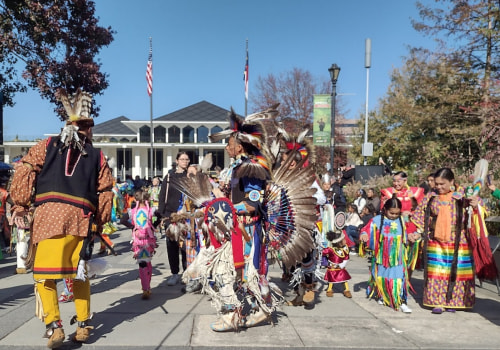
(322, 120)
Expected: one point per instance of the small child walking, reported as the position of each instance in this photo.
(143, 238)
(338, 256)
(388, 236)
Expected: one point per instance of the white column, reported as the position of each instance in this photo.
(137, 163)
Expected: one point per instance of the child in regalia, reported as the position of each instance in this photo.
(143, 238)
(388, 236)
(338, 256)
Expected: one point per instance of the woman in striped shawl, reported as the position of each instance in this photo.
(447, 254)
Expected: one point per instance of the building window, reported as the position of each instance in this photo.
(188, 135)
(202, 134)
(174, 135)
(158, 161)
(160, 134)
(124, 162)
(215, 130)
(145, 134)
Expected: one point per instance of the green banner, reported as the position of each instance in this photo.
(322, 120)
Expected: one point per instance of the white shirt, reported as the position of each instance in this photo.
(360, 203)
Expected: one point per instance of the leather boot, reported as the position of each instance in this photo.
(82, 332)
(55, 333)
(309, 293)
(297, 301)
(255, 318)
(225, 323)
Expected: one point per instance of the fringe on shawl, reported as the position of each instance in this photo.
(484, 261)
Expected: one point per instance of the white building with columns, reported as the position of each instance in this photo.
(128, 142)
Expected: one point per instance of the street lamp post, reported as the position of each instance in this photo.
(334, 75)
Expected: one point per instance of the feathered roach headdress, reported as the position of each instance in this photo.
(299, 143)
(77, 107)
(250, 133)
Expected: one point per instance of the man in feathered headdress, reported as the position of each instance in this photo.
(69, 183)
(245, 185)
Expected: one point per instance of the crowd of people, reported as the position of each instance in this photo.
(222, 231)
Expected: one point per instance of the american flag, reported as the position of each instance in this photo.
(245, 77)
(149, 69)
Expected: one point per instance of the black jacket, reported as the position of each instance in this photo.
(169, 198)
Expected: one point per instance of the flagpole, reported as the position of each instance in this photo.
(150, 82)
(246, 80)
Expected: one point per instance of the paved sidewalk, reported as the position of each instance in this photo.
(173, 320)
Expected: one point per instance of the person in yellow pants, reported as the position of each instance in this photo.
(68, 183)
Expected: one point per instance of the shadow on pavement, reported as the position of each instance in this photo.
(16, 295)
(128, 308)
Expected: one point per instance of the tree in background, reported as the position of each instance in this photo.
(58, 41)
(424, 119)
(294, 91)
(440, 108)
(472, 28)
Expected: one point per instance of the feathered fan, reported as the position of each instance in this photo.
(480, 172)
(197, 187)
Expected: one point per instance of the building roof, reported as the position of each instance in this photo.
(199, 112)
(113, 127)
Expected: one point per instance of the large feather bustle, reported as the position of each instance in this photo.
(291, 210)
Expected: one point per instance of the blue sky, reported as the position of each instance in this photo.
(199, 53)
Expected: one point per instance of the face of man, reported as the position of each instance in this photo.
(85, 129)
(398, 182)
(284, 157)
(233, 148)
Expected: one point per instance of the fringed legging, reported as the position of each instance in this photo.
(47, 289)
